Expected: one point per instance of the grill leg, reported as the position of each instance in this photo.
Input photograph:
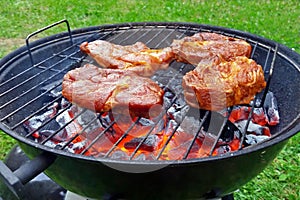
(228, 197)
(41, 187)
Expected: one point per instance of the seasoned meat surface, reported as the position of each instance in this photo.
(103, 90)
(136, 57)
(217, 86)
(206, 48)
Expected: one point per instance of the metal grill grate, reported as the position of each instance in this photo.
(24, 92)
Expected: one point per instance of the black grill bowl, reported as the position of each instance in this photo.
(195, 178)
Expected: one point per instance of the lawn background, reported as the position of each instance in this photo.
(274, 19)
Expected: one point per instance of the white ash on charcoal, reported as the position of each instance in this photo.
(257, 127)
(119, 155)
(144, 156)
(254, 139)
(89, 120)
(149, 143)
(190, 125)
(178, 112)
(253, 128)
(271, 108)
(53, 89)
(170, 79)
(38, 121)
(49, 124)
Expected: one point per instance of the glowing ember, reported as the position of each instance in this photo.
(175, 135)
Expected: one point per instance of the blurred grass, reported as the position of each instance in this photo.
(274, 19)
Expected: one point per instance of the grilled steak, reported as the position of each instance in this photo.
(103, 90)
(205, 48)
(217, 86)
(137, 57)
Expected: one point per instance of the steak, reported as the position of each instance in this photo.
(136, 57)
(217, 86)
(122, 91)
(206, 48)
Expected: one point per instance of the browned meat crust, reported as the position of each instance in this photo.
(136, 57)
(103, 90)
(206, 48)
(217, 86)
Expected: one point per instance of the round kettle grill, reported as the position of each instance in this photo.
(29, 74)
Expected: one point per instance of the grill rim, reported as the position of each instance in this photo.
(283, 51)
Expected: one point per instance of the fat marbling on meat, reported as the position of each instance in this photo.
(217, 86)
(206, 48)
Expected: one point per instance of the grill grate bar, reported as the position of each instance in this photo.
(244, 131)
(270, 76)
(31, 78)
(167, 142)
(160, 117)
(253, 50)
(64, 58)
(47, 121)
(78, 133)
(15, 77)
(264, 94)
(36, 113)
(97, 138)
(19, 85)
(62, 127)
(98, 35)
(158, 33)
(175, 30)
(136, 38)
(219, 134)
(31, 89)
(126, 37)
(34, 66)
(196, 135)
(178, 124)
(78, 60)
(184, 33)
(121, 138)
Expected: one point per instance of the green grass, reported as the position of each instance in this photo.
(273, 19)
(277, 20)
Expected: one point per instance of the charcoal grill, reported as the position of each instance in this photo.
(30, 73)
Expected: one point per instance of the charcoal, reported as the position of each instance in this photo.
(222, 149)
(254, 139)
(190, 125)
(259, 116)
(146, 122)
(252, 128)
(149, 144)
(119, 155)
(54, 88)
(144, 156)
(271, 108)
(178, 112)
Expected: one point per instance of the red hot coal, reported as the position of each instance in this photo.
(174, 135)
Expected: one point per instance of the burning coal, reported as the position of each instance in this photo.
(176, 134)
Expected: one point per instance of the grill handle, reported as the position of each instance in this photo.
(43, 29)
(14, 182)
